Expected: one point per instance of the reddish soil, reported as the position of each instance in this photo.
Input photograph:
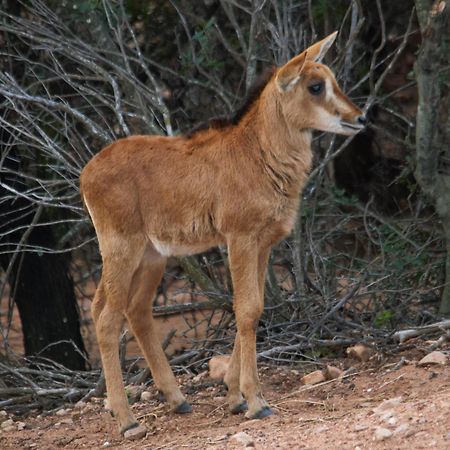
(412, 403)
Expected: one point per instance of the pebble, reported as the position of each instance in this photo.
(218, 366)
(433, 358)
(146, 396)
(315, 377)
(7, 423)
(20, 425)
(200, 376)
(360, 352)
(392, 421)
(135, 433)
(386, 405)
(242, 438)
(62, 412)
(332, 372)
(382, 433)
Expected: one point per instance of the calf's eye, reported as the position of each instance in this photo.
(316, 88)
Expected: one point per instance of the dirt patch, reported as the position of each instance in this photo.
(376, 408)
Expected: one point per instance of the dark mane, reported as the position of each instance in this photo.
(253, 94)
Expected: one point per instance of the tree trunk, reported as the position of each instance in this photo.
(433, 118)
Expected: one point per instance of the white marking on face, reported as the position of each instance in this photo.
(329, 92)
(331, 97)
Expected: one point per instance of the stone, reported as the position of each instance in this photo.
(435, 357)
(332, 372)
(62, 412)
(242, 438)
(20, 425)
(401, 429)
(386, 407)
(146, 396)
(360, 352)
(218, 366)
(382, 433)
(135, 433)
(133, 392)
(361, 427)
(200, 376)
(315, 377)
(7, 423)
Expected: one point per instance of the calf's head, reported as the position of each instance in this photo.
(310, 97)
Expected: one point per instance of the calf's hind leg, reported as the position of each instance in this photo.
(139, 314)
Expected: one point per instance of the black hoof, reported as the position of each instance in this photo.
(265, 412)
(184, 408)
(129, 427)
(240, 408)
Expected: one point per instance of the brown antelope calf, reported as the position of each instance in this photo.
(235, 183)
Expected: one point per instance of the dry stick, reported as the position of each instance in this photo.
(324, 383)
(403, 335)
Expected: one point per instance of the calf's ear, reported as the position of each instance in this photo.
(289, 75)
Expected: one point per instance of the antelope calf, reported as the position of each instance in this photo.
(237, 183)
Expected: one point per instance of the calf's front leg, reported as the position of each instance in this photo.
(248, 306)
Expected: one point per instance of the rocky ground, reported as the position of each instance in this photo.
(383, 403)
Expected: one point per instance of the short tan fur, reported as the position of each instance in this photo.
(236, 184)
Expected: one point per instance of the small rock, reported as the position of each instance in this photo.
(7, 423)
(57, 424)
(386, 405)
(314, 377)
(32, 445)
(200, 376)
(392, 421)
(242, 438)
(321, 429)
(360, 352)
(332, 372)
(68, 421)
(360, 427)
(382, 433)
(135, 433)
(133, 392)
(402, 428)
(106, 444)
(146, 396)
(80, 404)
(62, 412)
(3, 413)
(20, 425)
(447, 437)
(435, 357)
(9, 428)
(219, 399)
(218, 366)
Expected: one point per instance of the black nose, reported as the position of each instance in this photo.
(362, 120)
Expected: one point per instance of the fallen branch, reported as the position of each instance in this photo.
(403, 335)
